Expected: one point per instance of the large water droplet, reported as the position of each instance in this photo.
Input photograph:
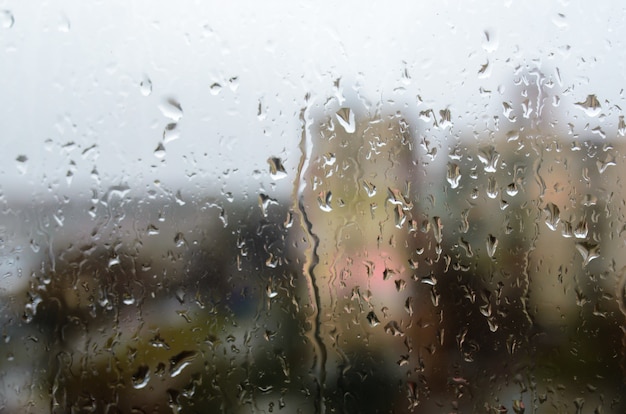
(492, 244)
(159, 152)
(141, 377)
(181, 361)
(345, 116)
(6, 19)
(552, 216)
(172, 109)
(277, 170)
(591, 106)
(454, 175)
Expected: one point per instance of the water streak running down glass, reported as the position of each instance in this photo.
(312, 208)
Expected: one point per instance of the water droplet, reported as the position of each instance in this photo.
(552, 216)
(159, 152)
(492, 244)
(485, 71)
(277, 170)
(621, 126)
(588, 251)
(145, 86)
(370, 188)
(171, 133)
(345, 116)
(393, 328)
(492, 187)
(6, 19)
(172, 109)
(560, 21)
(215, 88)
(181, 361)
(264, 202)
(372, 319)
(581, 230)
(454, 175)
(141, 377)
(591, 106)
(323, 199)
(22, 167)
(489, 157)
(233, 83)
(491, 43)
(512, 189)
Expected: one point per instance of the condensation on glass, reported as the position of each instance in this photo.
(312, 209)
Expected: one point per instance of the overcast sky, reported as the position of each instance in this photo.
(88, 89)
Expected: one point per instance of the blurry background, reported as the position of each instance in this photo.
(299, 207)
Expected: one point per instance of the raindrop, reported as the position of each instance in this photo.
(393, 328)
(492, 244)
(171, 133)
(491, 43)
(621, 126)
(370, 188)
(215, 88)
(141, 377)
(323, 199)
(145, 86)
(372, 319)
(6, 19)
(560, 21)
(588, 251)
(345, 116)
(181, 361)
(172, 109)
(581, 230)
(264, 202)
(591, 106)
(512, 189)
(489, 157)
(159, 152)
(454, 175)
(552, 216)
(492, 187)
(21, 163)
(277, 170)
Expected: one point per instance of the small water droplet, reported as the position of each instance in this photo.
(492, 244)
(491, 43)
(180, 362)
(145, 86)
(233, 83)
(591, 106)
(560, 21)
(372, 319)
(277, 170)
(454, 175)
(345, 116)
(171, 133)
(552, 216)
(588, 251)
(6, 19)
(172, 109)
(215, 88)
(323, 199)
(159, 152)
(141, 377)
(370, 188)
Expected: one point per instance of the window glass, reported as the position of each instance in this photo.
(312, 207)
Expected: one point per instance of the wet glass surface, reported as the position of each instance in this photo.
(311, 208)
